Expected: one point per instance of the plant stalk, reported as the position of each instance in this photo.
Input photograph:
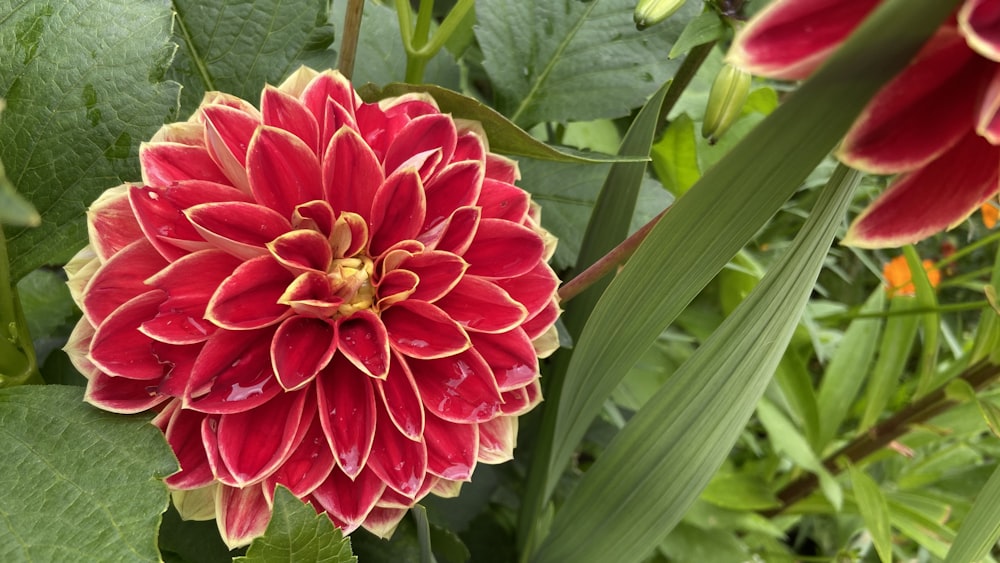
(979, 376)
(349, 41)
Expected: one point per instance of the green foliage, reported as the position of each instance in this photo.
(555, 61)
(297, 533)
(59, 502)
(83, 81)
(236, 46)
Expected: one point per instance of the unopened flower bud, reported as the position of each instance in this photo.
(651, 12)
(725, 101)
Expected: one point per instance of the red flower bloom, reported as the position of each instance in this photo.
(936, 124)
(343, 298)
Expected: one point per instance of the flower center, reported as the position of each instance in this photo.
(350, 280)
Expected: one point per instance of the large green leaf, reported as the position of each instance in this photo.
(236, 46)
(981, 528)
(297, 533)
(706, 227)
(78, 483)
(571, 60)
(658, 464)
(83, 83)
(874, 510)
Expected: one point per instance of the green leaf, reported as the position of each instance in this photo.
(567, 193)
(297, 533)
(915, 523)
(848, 369)
(981, 528)
(504, 136)
(561, 61)
(83, 83)
(926, 298)
(237, 46)
(658, 464)
(706, 27)
(787, 440)
(739, 491)
(58, 501)
(675, 156)
(381, 58)
(706, 227)
(898, 339)
(874, 510)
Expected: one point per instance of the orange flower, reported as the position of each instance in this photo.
(990, 214)
(898, 280)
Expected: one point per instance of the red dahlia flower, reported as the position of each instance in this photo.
(936, 124)
(343, 298)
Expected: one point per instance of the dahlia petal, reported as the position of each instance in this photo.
(254, 443)
(446, 489)
(284, 111)
(980, 24)
(437, 271)
(380, 123)
(348, 499)
(538, 324)
(776, 44)
(120, 395)
(183, 433)
(315, 215)
(427, 132)
(401, 399)
(302, 250)
(519, 401)
(502, 249)
(283, 170)
(988, 118)
(480, 305)
(232, 373)
(78, 347)
(457, 185)
(456, 233)
(346, 405)
(119, 349)
(189, 284)
(302, 347)
(451, 448)
(312, 294)
(79, 271)
(459, 388)
(501, 200)
(178, 362)
(396, 286)
(534, 289)
(510, 355)
(227, 134)
(351, 173)
(185, 132)
(930, 199)
(242, 514)
(160, 211)
(120, 279)
(210, 437)
(471, 143)
(383, 521)
(397, 210)
(249, 298)
(349, 236)
(328, 85)
(502, 169)
(307, 466)
(164, 163)
(497, 439)
(421, 330)
(195, 504)
(922, 112)
(111, 222)
(396, 459)
(337, 117)
(364, 341)
(241, 229)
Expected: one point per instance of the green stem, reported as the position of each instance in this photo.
(423, 28)
(968, 249)
(405, 26)
(17, 355)
(953, 308)
(420, 47)
(692, 62)
(349, 42)
(978, 376)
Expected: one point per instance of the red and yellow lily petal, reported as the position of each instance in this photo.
(930, 199)
(791, 38)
